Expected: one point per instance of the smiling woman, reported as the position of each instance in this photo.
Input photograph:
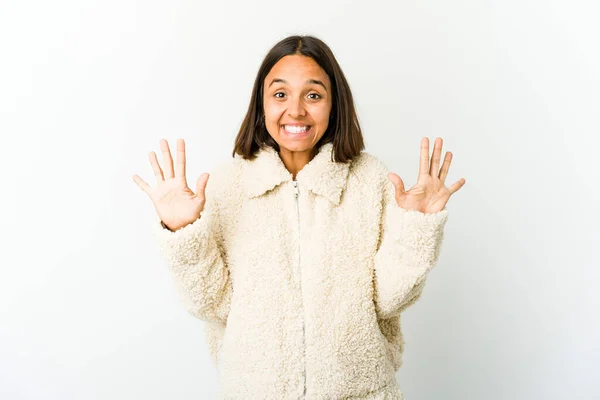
(302, 251)
(296, 108)
(300, 100)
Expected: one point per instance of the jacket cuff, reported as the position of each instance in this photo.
(415, 229)
(184, 245)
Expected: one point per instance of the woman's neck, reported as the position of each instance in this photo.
(294, 161)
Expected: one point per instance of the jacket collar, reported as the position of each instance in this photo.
(321, 175)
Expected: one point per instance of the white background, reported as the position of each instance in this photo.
(88, 309)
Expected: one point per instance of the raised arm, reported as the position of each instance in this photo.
(412, 231)
(187, 230)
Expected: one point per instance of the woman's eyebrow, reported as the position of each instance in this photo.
(311, 81)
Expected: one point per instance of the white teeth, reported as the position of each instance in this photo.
(296, 129)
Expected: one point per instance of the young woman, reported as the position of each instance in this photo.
(302, 250)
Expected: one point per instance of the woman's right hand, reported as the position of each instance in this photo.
(175, 203)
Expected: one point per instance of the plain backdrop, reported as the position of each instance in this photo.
(88, 309)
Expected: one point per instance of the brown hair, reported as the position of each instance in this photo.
(343, 129)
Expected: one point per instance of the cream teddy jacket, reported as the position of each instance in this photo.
(301, 283)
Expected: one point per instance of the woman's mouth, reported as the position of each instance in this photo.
(297, 130)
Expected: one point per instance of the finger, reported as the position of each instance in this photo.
(435, 157)
(167, 159)
(142, 184)
(445, 166)
(397, 182)
(155, 167)
(201, 185)
(424, 163)
(456, 186)
(180, 168)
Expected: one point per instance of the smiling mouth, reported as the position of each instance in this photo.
(296, 129)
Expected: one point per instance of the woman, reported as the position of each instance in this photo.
(300, 253)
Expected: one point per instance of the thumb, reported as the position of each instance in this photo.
(397, 181)
(201, 184)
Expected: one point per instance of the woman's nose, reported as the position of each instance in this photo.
(296, 108)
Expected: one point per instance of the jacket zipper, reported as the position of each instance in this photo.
(300, 278)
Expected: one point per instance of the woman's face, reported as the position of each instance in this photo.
(297, 103)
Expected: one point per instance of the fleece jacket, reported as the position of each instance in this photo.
(301, 282)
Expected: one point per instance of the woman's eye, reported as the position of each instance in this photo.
(281, 95)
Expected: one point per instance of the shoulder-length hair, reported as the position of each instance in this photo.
(343, 129)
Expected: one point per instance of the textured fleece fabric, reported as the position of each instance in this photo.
(301, 283)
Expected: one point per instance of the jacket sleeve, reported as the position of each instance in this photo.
(408, 249)
(194, 256)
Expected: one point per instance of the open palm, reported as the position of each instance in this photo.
(429, 195)
(176, 204)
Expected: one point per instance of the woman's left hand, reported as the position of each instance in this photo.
(428, 195)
